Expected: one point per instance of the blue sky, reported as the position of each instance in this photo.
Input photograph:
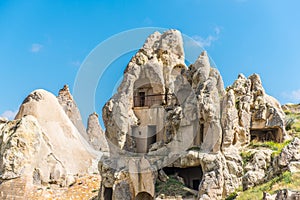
(43, 43)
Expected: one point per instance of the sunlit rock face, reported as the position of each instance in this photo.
(165, 120)
(42, 146)
(68, 104)
(250, 114)
(96, 134)
(161, 96)
(164, 108)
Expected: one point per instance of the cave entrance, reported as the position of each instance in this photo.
(108, 193)
(143, 196)
(191, 176)
(196, 183)
(265, 134)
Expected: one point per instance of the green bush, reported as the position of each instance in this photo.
(287, 112)
(287, 177)
(232, 196)
(289, 122)
(246, 156)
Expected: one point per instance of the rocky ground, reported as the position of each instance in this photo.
(84, 188)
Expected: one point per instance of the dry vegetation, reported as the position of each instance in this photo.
(85, 188)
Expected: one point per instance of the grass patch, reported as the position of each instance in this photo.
(232, 196)
(292, 121)
(171, 187)
(274, 146)
(286, 180)
(246, 156)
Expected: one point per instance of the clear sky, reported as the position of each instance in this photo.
(44, 42)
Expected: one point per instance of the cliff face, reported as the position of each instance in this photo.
(177, 117)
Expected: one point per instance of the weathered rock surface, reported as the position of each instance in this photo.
(165, 119)
(95, 133)
(65, 139)
(283, 194)
(249, 113)
(288, 159)
(41, 145)
(162, 108)
(2, 122)
(256, 168)
(68, 104)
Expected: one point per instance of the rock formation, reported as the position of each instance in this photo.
(68, 104)
(287, 160)
(167, 117)
(167, 120)
(95, 133)
(249, 113)
(40, 146)
(283, 194)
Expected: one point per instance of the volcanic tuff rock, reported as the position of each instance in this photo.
(95, 133)
(163, 109)
(63, 135)
(165, 119)
(41, 145)
(246, 108)
(287, 160)
(282, 194)
(68, 104)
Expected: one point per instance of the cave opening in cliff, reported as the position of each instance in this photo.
(192, 176)
(265, 134)
(143, 196)
(108, 193)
